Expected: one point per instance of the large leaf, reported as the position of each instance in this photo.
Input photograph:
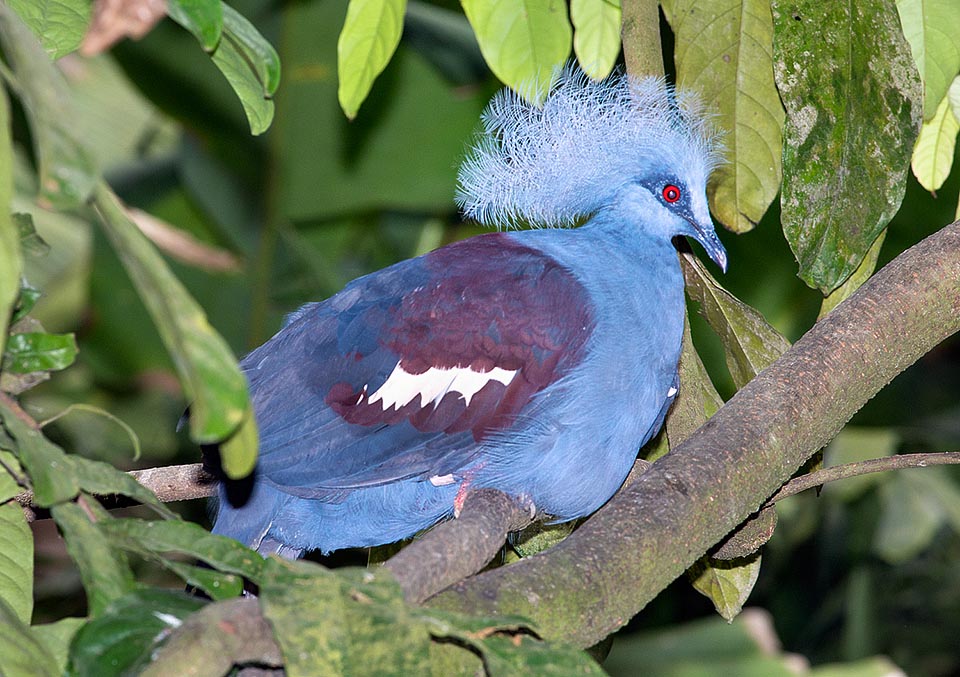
(16, 561)
(207, 369)
(856, 279)
(105, 573)
(724, 51)
(10, 264)
(370, 35)
(67, 173)
(596, 35)
(59, 24)
(121, 640)
(23, 655)
(932, 27)
(933, 154)
(523, 41)
(853, 113)
(749, 342)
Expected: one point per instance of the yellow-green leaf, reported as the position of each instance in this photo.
(370, 35)
(932, 27)
(207, 368)
(933, 154)
(724, 51)
(596, 35)
(726, 583)
(523, 41)
(250, 65)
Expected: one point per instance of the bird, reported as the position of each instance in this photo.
(535, 359)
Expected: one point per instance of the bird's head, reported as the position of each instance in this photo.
(634, 147)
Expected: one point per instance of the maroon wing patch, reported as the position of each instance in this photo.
(483, 325)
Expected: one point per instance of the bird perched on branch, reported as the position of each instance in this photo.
(534, 362)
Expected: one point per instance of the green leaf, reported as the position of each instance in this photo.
(749, 342)
(16, 561)
(184, 538)
(931, 28)
(523, 41)
(910, 516)
(120, 641)
(34, 351)
(856, 279)
(203, 18)
(215, 584)
(59, 24)
(697, 400)
(23, 654)
(45, 462)
(370, 35)
(724, 51)
(105, 573)
(853, 113)
(596, 35)
(56, 637)
(207, 369)
(10, 263)
(67, 172)
(250, 65)
(933, 154)
(726, 583)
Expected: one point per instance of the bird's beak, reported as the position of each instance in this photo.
(707, 236)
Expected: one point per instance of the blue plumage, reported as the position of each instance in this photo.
(536, 362)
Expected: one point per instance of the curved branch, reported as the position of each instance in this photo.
(842, 472)
(692, 497)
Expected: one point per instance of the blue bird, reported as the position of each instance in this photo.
(536, 362)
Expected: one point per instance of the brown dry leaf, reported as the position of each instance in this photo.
(114, 20)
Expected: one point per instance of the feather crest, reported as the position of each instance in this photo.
(564, 160)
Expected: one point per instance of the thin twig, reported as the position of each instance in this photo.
(841, 472)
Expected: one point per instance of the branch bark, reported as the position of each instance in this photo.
(620, 559)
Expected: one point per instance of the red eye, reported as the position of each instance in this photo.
(671, 193)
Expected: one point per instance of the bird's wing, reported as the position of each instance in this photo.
(407, 370)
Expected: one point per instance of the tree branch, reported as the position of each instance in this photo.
(842, 472)
(692, 497)
(444, 556)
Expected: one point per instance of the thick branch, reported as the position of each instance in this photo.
(443, 556)
(621, 558)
